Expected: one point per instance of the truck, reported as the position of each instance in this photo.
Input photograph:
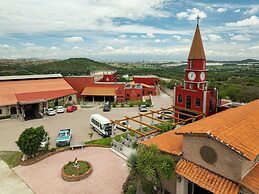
(64, 137)
(101, 125)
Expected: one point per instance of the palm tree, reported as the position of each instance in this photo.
(150, 166)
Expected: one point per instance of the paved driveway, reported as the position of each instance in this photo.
(78, 121)
(109, 173)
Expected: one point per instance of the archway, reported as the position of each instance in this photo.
(13, 110)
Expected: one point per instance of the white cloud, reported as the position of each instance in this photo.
(252, 21)
(5, 46)
(64, 15)
(134, 36)
(159, 40)
(213, 37)
(177, 37)
(108, 48)
(74, 39)
(221, 10)
(27, 44)
(252, 10)
(241, 37)
(148, 35)
(191, 14)
(123, 36)
(237, 10)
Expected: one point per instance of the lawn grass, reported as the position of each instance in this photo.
(11, 158)
(69, 169)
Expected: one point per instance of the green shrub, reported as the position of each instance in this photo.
(53, 149)
(5, 117)
(131, 104)
(122, 104)
(30, 140)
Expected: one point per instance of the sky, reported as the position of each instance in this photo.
(127, 30)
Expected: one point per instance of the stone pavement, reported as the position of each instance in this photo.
(10, 182)
(109, 173)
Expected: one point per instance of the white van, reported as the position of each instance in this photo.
(101, 125)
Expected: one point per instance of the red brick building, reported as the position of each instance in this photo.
(194, 94)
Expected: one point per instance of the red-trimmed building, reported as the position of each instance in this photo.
(194, 94)
(103, 86)
(26, 96)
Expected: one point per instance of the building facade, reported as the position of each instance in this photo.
(194, 94)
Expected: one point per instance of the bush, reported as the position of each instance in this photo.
(122, 104)
(30, 140)
(131, 104)
(53, 149)
(5, 117)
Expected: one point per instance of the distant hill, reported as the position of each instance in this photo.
(72, 66)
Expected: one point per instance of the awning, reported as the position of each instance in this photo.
(206, 179)
(37, 97)
(251, 180)
(99, 91)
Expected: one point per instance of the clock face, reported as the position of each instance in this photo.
(191, 76)
(202, 76)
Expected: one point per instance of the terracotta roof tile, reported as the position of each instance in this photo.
(197, 51)
(99, 91)
(167, 142)
(44, 95)
(205, 178)
(251, 180)
(237, 128)
(8, 89)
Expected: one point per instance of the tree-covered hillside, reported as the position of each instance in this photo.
(72, 66)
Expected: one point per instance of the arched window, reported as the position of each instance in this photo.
(180, 98)
(198, 102)
(69, 98)
(1, 112)
(188, 102)
(191, 64)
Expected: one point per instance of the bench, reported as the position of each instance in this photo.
(79, 144)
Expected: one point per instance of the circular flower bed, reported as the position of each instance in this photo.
(76, 170)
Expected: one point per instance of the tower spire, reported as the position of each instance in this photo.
(197, 50)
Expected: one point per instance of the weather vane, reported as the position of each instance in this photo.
(198, 19)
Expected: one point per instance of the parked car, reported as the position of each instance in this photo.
(166, 115)
(143, 108)
(44, 143)
(71, 108)
(50, 112)
(64, 137)
(60, 109)
(106, 106)
(121, 127)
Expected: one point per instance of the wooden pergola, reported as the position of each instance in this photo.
(177, 113)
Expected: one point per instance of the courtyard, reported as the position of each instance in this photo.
(108, 176)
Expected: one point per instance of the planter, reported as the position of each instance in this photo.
(74, 177)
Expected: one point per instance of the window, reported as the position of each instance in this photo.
(138, 95)
(211, 106)
(191, 64)
(180, 98)
(1, 111)
(204, 64)
(198, 102)
(188, 102)
(95, 122)
(127, 94)
(69, 98)
(190, 86)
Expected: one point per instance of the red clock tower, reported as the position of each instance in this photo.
(194, 94)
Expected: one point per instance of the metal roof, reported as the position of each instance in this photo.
(25, 77)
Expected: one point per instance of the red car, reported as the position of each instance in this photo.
(71, 108)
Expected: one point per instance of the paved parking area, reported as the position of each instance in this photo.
(78, 121)
(109, 173)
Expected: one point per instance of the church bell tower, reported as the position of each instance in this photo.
(194, 93)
